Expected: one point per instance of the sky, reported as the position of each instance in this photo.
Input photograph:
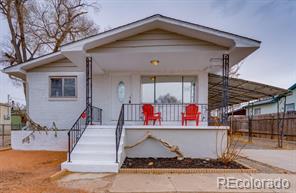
(271, 21)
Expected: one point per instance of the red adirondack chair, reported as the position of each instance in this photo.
(149, 115)
(191, 114)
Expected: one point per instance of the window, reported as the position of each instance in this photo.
(290, 107)
(168, 89)
(63, 87)
(257, 111)
(121, 91)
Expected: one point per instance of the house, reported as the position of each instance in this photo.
(270, 105)
(5, 114)
(97, 88)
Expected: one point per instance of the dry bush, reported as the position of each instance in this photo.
(233, 148)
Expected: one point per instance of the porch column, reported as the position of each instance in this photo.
(202, 94)
(88, 87)
(225, 94)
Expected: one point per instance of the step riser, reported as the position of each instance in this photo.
(93, 156)
(95, 148)
(99, 132)
(76, 167)
(99, 139)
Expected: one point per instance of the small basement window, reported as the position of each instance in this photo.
(63, 87)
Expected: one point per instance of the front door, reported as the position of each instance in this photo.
(121, 93)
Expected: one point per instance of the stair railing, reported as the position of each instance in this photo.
(118, 130)
(78, 128)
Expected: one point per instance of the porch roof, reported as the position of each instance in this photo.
(238, 47)
(240, 91)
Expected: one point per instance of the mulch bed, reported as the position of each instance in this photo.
(174, 163)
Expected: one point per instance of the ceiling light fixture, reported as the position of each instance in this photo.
(154, 62)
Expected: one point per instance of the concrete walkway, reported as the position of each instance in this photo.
(285, 159)
(136, 183)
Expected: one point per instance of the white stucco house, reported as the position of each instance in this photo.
(270, 105)
(97, 87)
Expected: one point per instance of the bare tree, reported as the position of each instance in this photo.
(38, 27)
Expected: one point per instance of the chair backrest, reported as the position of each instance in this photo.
(148, 109)
(191, 109)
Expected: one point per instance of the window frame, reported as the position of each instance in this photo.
(258, 109)
(182, 77)
(63, 80)
(292, 104)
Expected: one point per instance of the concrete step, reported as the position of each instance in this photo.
(93, 156)
(95, 147)
(93, 139)
(90, 166)
(111, 127)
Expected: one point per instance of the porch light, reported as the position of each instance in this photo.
(154, 62)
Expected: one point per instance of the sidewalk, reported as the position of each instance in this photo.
(285, 159)
(136, 183)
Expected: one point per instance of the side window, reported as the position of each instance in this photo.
(290, 107)
(257, 111)
(63, 87)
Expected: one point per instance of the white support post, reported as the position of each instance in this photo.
(202, 94)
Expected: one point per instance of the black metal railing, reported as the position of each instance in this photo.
(118, 130)
(97, 115)
(88, 116)
(169, 112)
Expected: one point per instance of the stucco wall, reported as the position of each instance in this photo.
(105, 92)
(41, 141)
(45, 110)
(204, 142)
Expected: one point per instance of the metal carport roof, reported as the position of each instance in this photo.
(240, 91)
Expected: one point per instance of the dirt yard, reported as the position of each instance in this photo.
(263, 143)
(29, 172)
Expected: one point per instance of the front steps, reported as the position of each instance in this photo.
(95, 151)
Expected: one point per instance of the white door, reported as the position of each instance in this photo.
(121, 93)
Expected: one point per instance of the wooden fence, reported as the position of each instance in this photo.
(269, 125)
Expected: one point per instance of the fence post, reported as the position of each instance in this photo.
(250, 119)
(272, 129)
(3, 143)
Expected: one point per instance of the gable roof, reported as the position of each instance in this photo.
(159, 17)
(292, 87)
(77, 49)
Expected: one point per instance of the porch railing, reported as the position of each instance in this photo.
(90, 115)
(169, 112)
(118, 130)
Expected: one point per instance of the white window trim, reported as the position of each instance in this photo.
(66, 98)
(290, 104)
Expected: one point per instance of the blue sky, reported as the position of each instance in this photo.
(272, 22)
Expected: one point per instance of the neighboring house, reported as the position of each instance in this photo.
(270, 105)
(155, 60)
(5, 114)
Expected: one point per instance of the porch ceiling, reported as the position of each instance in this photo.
(240, 91)
(170, 61)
